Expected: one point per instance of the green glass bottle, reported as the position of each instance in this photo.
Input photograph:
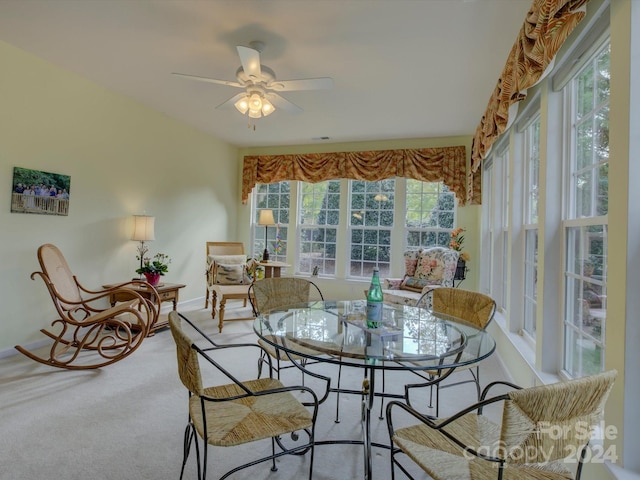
(374, 301)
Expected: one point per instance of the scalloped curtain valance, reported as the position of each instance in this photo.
(445, 164)
(546, 27)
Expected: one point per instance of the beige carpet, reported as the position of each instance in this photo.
(126, 421)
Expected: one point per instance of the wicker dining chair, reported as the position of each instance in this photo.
(472, 307)
(239, 412)
(276, 292)
(544, 430)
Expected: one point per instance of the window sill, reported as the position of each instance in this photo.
(523, 348)
(620, 473)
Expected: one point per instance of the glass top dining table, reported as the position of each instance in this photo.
(408, 338)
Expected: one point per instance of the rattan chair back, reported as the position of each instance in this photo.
(188, 364)
(549, 421)
(57, 270)
(472, 307)
(277, 292)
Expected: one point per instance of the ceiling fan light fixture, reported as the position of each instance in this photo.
(242, 105)
(255, 102)
(255, 113)
(267, 107)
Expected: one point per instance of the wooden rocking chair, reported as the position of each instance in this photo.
(90, 335)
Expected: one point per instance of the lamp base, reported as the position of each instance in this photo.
(265, 255)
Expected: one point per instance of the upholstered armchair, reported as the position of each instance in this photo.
(424, 269)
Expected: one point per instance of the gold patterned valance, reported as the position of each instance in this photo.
(445, 164)
(546, 27)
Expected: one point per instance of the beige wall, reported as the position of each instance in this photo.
(123, 159)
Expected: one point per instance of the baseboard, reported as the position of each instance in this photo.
(8, 352)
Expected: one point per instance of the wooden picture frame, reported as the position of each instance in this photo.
(42, 193)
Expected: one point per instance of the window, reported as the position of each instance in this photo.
(351, 248)
(371, 206)
(275, 196)
(531, 182)
(495, 226)
(430, 214)
(585, 225)
(486, 257)
(318, 219)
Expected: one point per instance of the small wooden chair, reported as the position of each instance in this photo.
(233, 273)
(90, 336)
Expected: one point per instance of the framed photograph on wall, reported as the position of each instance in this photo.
(43, 193)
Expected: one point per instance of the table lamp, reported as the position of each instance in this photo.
(266, 219)
(143, 231)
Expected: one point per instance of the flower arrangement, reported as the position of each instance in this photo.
(457, 240)
(158, 265)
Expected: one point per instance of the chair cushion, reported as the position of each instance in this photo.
(417, 284)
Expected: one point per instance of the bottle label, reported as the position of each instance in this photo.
(374, 314)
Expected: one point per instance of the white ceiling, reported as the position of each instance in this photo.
(401, 68)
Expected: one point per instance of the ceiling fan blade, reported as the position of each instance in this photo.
(322, 83)
(231, 102)
(283, 103)
(250, 59)
(209, 80)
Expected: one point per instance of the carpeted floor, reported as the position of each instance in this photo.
(126, 421)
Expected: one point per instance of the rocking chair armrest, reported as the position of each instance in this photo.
(118, 288)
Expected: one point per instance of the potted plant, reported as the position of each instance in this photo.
(153, 268)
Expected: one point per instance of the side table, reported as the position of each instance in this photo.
(272, 269)
(167, 292)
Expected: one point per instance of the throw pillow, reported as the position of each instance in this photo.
(410, 262)
(431, 265)
(229, 274)
(228, 269)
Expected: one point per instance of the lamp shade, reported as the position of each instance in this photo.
(266, 217)
(143, 228)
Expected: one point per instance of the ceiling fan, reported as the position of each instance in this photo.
(260, 85)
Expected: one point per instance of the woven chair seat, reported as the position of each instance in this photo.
(250, 418)
(443, 459)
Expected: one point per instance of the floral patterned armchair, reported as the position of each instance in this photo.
(424, 269)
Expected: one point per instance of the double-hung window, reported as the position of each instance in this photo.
(274, 196)
(344, 228)
(585, 224)
(495, 226)
(318, 220)
(430, 214)
(531, 190)
(371, 211)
